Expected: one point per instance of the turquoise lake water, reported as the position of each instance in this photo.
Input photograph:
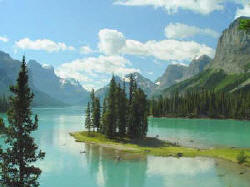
(64, 165)
(202, 132)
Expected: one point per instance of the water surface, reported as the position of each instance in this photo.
(202, 132)
(64, 165)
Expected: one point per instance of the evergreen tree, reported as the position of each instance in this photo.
(110, 114)
(87, 118)
(118, 114)
(123, 112)
(104, 109)
(132, 107)
(4, 104)
(21, 151)
(142, 113)
(96, 114)
(92, 106)
(203, 103)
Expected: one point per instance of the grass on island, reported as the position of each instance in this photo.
(156, 147)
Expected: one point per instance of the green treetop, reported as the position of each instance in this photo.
(21, 151)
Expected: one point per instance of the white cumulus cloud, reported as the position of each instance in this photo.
(4, 39)
(199, 6)
(181, 31)
(245, 11)
(92, 68)
(111, 41)
(42, 44)
(115, 43)
(86, 50)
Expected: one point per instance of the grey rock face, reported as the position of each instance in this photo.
(68, 91)
(176, 73)
(197, 66)
(173, 74)
(233, 49)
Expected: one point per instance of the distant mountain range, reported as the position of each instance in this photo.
(49, 89)
(228, 71)
(174, 73)
(147, 85)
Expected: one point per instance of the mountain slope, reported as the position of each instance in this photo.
(176, 73)
(173, 74)
(68, 91)
(49, 89)
(229, 70)
(233, 50)
(145, 84)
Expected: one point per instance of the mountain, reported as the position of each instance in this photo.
(68, 91)
(229, 71)
(9, 69)
(145, 84)
(176, 73)
(49, 89)
(233, 50)
(173, 74)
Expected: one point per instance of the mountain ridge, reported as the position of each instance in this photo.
(41, 84)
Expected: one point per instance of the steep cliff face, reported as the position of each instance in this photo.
(196, 66)
(9, 69)
(68, 91)
(233, 50)
(173, 74)
(176, 73)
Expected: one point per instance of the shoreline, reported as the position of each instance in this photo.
(201, 117)
(155, 147)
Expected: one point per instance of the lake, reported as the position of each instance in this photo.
(64, 165)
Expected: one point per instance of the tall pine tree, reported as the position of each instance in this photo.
(21, 151)
(87, 118)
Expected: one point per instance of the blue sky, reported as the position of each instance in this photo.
(90, 40)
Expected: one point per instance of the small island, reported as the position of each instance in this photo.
(123, 123)
(156, 147)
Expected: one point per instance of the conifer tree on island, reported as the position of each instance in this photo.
(87, 119)
(122, 116)
(21, 151)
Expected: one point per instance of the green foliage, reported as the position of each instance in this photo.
(216, 80)
(21, 151)
(4, 104)
(241, 157)
(122, 116)
(87, 118)
(95, 112)
(245, 24)
(205, 103)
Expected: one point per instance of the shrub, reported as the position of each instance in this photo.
(241, 157)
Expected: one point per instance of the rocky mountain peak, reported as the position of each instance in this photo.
(233, 49)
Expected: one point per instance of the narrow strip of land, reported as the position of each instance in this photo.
(156, 147)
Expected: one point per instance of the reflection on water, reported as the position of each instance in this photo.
(202, 132)
(65, 165)
(111, 169)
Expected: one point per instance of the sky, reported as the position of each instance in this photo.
(90, 40)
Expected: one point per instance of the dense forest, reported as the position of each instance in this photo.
(120, 115)
(4, 104)
(206, 103)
